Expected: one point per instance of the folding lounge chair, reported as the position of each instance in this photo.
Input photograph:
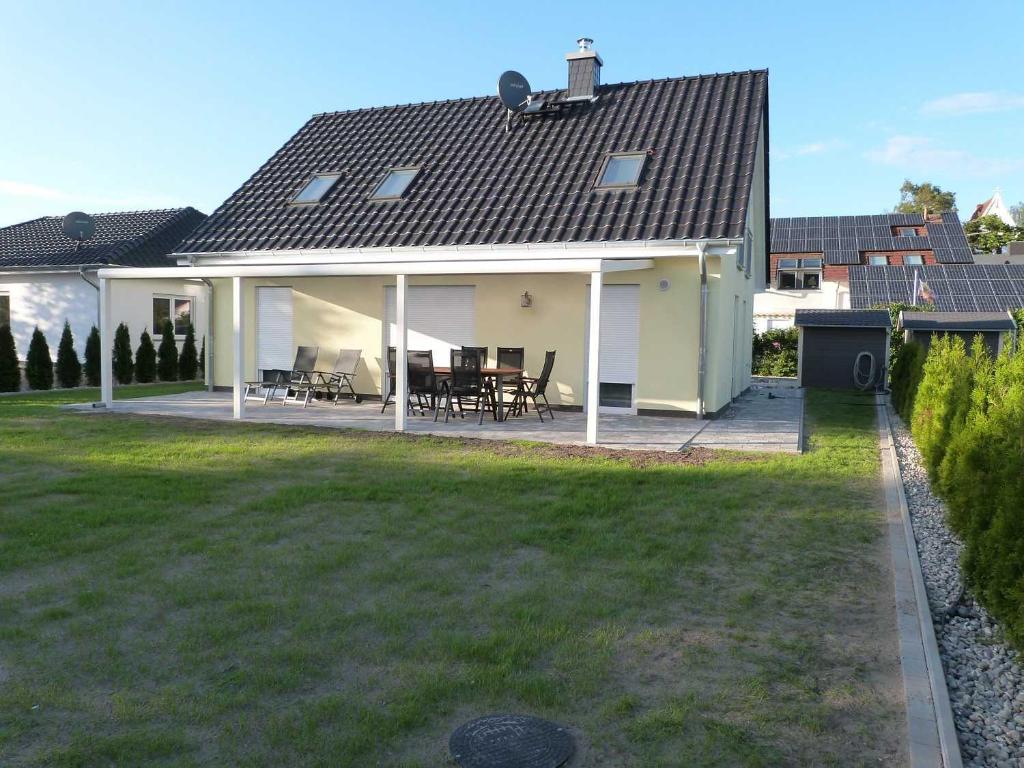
(334, 384)
(297, 380)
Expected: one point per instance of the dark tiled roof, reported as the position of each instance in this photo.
(842, 239)
(956, 287)
(844, 318)
(481, 185)
(957, 321)
(130, 239)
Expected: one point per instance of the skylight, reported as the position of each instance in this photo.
(394, 184)
(317, 187)
(622, 170)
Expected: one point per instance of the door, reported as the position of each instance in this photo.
(620, 347)
(439, 317)
(274, 344)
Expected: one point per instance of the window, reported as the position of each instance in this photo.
(913, 259)
(5, 309)
(614, 395)
(878, 261)
(622, 170)
(315, 189)
(177, 310)
(906, 231)
(799, 275)
(394, 184)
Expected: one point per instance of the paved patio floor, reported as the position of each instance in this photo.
(755, 422)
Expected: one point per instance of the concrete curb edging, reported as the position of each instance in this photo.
(931, 732)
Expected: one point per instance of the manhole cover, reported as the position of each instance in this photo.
(510, 741)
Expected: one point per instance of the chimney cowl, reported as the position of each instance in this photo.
(584, 71)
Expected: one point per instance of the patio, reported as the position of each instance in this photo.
(755, 422)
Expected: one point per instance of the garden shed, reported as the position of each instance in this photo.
(921, 326)
(843, 348)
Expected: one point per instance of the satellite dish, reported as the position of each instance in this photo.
(514, 91)
(79, 226)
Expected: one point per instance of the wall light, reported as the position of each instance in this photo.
(526, 300)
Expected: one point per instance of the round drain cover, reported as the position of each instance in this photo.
(510, 741)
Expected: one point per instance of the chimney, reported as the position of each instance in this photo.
(584, 71)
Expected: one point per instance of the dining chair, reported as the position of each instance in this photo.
(423, 381)
(512, 357)
(534, 388)
(465, 382)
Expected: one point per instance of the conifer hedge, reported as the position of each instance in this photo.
(145, 359)
(69, 368)
(167, 355)
(124, 365)
(38, 363)
(907, 369)
(188, 362)
(92, 358)
(10, 372)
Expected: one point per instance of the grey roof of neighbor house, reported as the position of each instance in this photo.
(955, 287)
(481, 185)
(957, 321)
(842, 239)
(843, 318)
(128, 239)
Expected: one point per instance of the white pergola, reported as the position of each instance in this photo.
(489, 263)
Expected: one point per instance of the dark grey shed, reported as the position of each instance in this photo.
(843, 348)
(922, 326)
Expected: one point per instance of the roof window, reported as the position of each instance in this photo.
(315, 189)
(622, 169)
(394, 183)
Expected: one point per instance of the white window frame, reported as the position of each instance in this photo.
(414, 170)
(872, 260)
(333, 175)
(913, 256)
(901, 231)
(798, 273)
(172, 298)
(641, 155)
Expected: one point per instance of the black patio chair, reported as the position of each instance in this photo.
(534, 388)
(512, 357)
(337, 382)
(423, 381)
(483, 353)
(297, 380)
(391, 383)
(465, 382)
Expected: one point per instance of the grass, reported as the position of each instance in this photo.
(190, 593)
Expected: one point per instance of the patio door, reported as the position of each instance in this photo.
(440, 318)
(274, 344)
(620, 347)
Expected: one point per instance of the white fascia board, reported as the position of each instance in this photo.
(505, 266)
(644, 249)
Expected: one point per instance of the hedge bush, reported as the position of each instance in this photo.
(775, 352)
(942, 400)
(188, 361)
(124, 365)
(145, 359)
(10, 372)
(69, 368)
(202, 359)
(91, 369)
(167, 355)
(907, 369)
(38, 363)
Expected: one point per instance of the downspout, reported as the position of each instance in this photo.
(81, 274)
(702, 263)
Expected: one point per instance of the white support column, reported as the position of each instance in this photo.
(238, 314)
(208, 362)
(401, 357)
(594, 359)
(106, 346)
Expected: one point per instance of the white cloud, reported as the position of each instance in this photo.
(919, 153)
(973, 103)
(21, 189)
(23, 192)
(813, 148)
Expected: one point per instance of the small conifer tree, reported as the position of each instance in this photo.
(145, 359)
(38, 363)
(69, 368)
(124, 365)
(92, 358)
(167, 355)
(188, 361)
(10, 373)
(202, 360)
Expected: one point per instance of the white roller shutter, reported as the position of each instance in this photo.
(274, 344)
(440, 318)
(620, 333)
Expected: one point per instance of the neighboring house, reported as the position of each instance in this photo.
(45, 278)
(994, 206)
(811, 257)
(615, 202)
(1013, 254)
(953, 287)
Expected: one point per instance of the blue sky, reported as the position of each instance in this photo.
(114, 106)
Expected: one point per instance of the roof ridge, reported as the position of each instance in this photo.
(433, 102)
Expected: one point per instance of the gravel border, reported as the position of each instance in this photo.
(984, 676)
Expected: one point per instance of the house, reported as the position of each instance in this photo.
(951, 287)
(994, 206)
(811, 257)
(47, 278)
(624, 226)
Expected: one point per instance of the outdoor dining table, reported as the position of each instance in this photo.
(490, 373)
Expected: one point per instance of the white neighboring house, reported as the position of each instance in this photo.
(45, 279)
(811, 256)
(994, 206)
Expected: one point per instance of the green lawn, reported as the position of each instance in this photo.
(189, 593)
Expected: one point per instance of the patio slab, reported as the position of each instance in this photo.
(754, 422)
